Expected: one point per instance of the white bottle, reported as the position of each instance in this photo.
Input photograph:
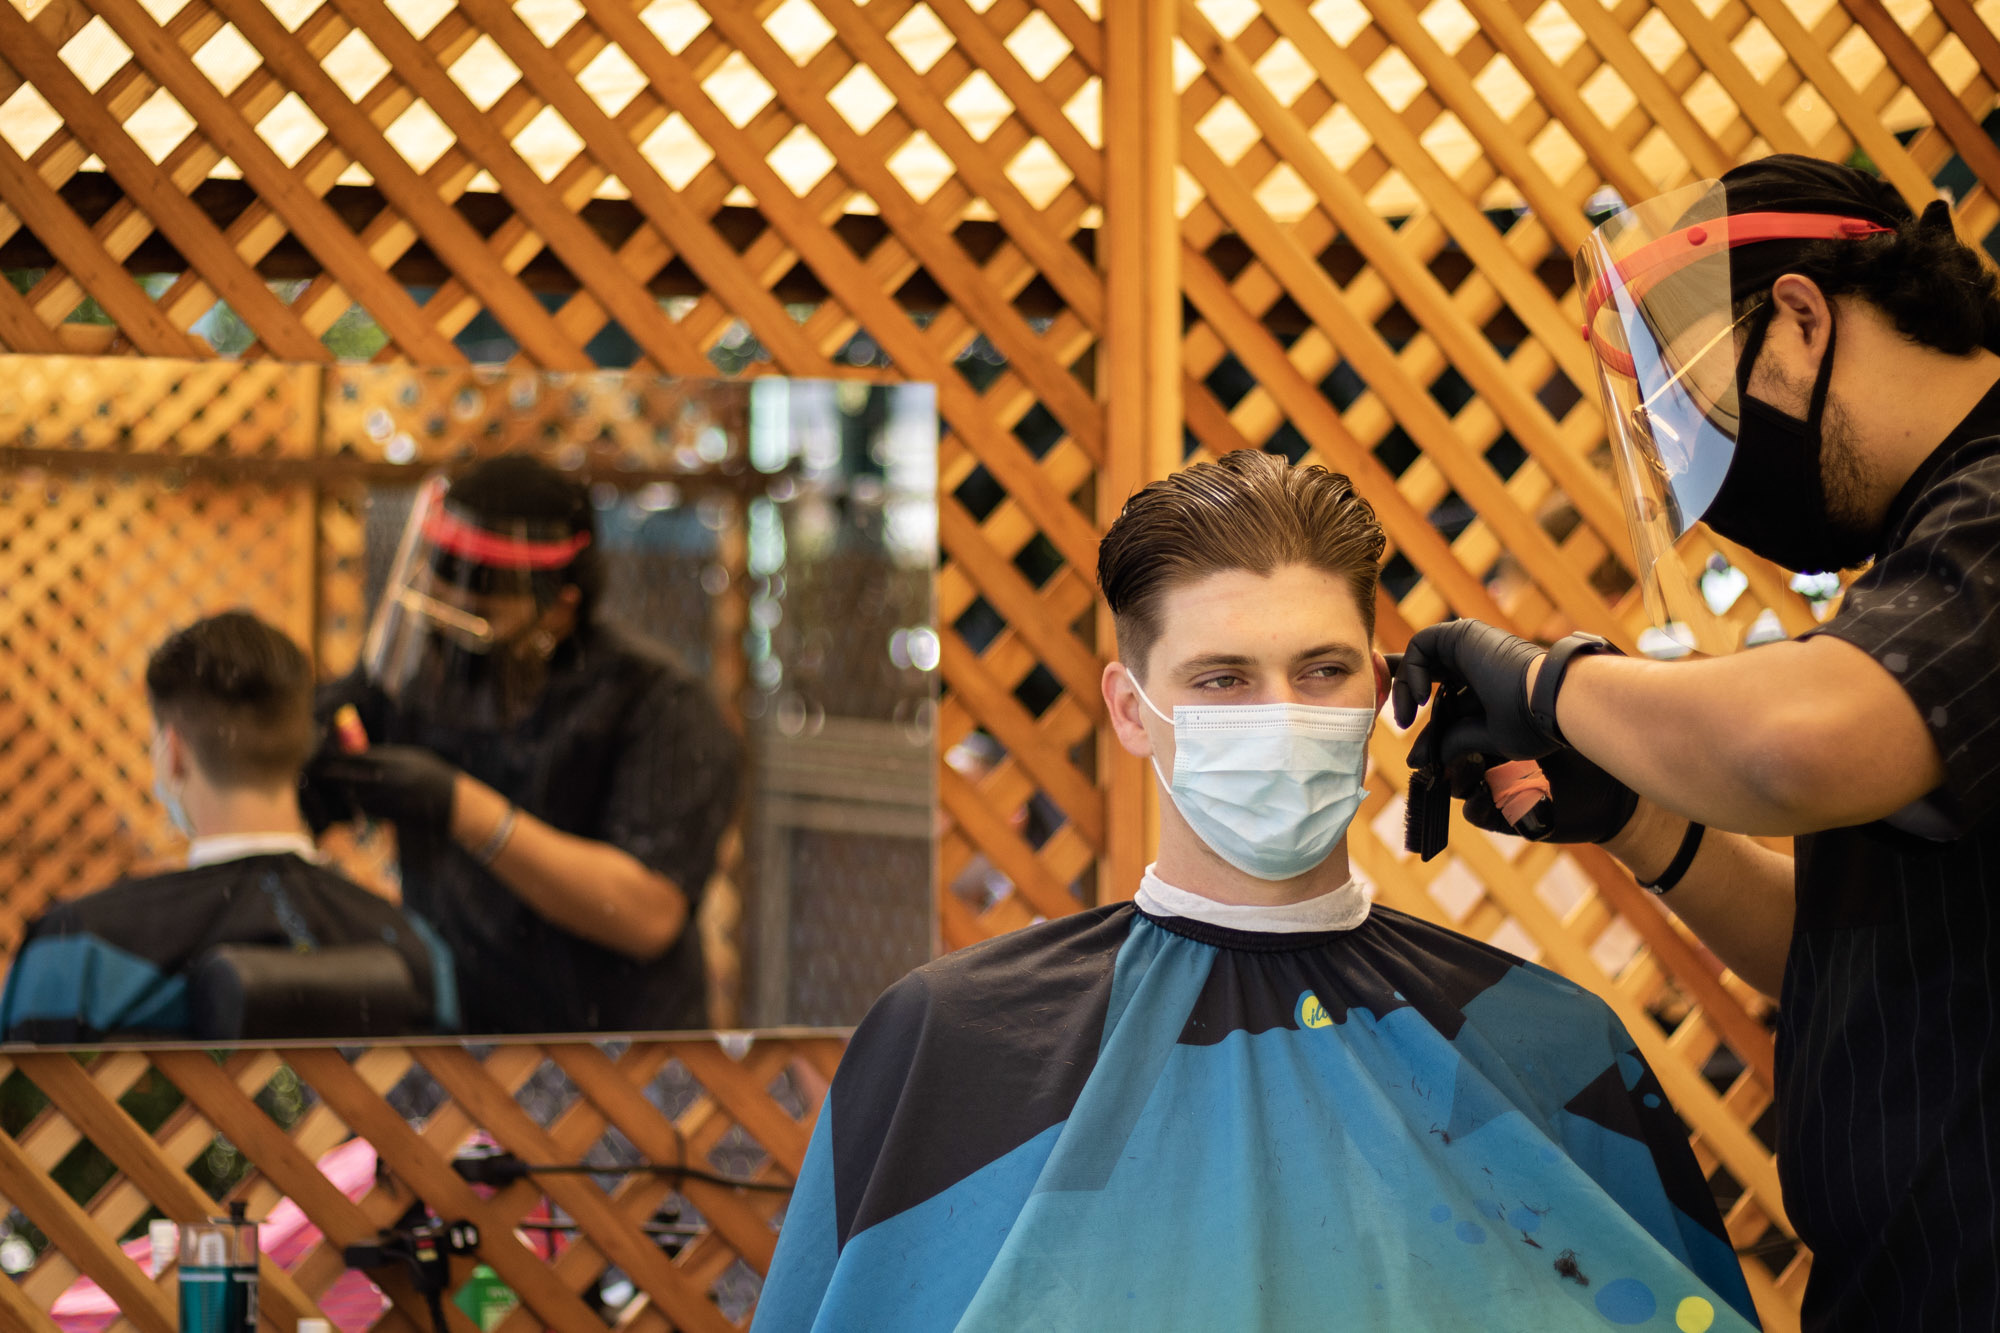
(164, 1238)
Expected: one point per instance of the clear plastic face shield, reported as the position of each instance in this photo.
(1659, 317)
(457, 635)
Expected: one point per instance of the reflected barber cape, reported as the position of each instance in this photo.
(1122, 1120)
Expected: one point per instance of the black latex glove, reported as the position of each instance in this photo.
(321, 804)
(405, 784)
(1586, 804)
(1489, 664)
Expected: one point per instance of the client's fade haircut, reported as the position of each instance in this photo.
(1251, 511)
(240, 693)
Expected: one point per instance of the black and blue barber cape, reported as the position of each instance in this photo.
(115, 962)
(1121, 1121)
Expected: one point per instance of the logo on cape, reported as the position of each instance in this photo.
(1311, 1013)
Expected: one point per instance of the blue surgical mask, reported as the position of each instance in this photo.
(176, 812)
(1271, 788)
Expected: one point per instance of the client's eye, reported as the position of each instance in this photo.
(1219, 683)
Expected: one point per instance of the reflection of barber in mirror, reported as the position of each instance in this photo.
(1869, 429)
(232, 725)
(557, 784)
(1335, 1111)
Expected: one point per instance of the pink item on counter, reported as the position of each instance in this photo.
(353, 1303)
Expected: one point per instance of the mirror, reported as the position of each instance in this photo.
(775, 540)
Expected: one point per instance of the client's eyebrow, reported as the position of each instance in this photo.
(1346, 655)
(1340, 653)
(1210, 661)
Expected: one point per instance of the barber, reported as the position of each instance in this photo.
(1795, 357)
(557, 784)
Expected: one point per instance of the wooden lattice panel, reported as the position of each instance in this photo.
(177, 1133)
(1338, 229)
(162, 409)
(94, 573)
(610, 422)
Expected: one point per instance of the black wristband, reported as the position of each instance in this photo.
(1555, 665)
(1690, 844)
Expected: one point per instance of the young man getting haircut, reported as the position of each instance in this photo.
(232, 726)
(1249, 1099)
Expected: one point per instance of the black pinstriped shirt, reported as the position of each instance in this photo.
(1889, 1029)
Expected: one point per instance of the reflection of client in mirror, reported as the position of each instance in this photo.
(557, 784)
(232, 712)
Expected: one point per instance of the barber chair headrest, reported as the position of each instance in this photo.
(243, 992)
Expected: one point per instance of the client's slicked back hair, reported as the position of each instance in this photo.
(1250, 511)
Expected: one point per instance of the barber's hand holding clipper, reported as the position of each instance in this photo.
(1584, 803)
(1497, 707)
(349, 777)
(404, 783)
(1485, 734)
(1517, 713)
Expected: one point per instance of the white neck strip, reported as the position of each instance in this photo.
(236, 846)
(1343, 908)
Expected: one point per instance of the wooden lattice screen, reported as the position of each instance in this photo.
(1111, 231)
(157, 1133)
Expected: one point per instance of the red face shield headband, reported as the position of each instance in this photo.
(480, 546)
(1640, 271)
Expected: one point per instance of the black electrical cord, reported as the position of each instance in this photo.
(502, 1168)
(651, 1229)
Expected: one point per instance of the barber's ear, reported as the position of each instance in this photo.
(1121, 701)
(1799, 301)
(1383, 678)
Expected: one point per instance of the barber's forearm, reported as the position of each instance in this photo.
(1733, 747)
(590, 889)
(1792, 738)
(1677, 737)
(1737, 894)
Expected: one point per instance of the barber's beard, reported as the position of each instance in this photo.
(482, 691)
(1851, 483)
(1848, 482)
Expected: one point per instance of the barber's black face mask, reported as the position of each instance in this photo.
(1773, 498)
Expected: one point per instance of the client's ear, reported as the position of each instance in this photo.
(172, 752)
(1121, 701)
(1382, 678)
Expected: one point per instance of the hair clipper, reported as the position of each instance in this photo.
(1520, 789)
(1427, 801)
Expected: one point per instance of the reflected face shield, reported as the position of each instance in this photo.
(1659, 316)
(456, 634)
